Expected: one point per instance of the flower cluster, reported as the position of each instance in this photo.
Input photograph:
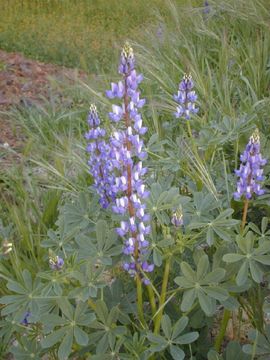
(177, 218)
(56, 262)
(250, 173)
(186, 98)
(99, 161)
(127, 155)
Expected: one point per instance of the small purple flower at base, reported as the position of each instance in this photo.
(26, 316)
(177, 218)
(186, 98)
(56, 263)
(250, 173)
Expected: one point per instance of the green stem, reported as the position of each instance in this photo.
(194, 147)
(189, 130)
(240, 323)
(236, 154)
(244, 217)
(256, 301)
(255, 345)
(163, 294)
(140, 300)
(226, 178)
(246, 307)
(223, 327)
(152, 300)
(92, 304)
(260, 308)
(195, 153)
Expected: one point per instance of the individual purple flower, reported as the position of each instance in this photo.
(127, 154)
(186, 98)
(26, 316)
(177, 218)
(56, 262)
(100, 166)
(250, 173)
(206, 9)
(160, 32)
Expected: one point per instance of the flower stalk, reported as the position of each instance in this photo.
(163, 294)
(129, 189)
(222, 331)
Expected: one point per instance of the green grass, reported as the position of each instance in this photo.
(81, 33)
(227, 52)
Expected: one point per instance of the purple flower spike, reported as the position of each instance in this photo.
(56, 263)
(127, 153)
(100, 166)
(250, 173)
(186, 98)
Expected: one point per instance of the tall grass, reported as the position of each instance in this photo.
(226, 51)
(82, 33)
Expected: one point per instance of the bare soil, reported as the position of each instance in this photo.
(25, 82)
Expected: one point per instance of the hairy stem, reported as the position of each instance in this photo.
(244, 217)
(152, 300)
(222, 331)
(140, 300)
(162, 295)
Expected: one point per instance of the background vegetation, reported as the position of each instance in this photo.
(81, 33)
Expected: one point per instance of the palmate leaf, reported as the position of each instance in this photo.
(101, 246)
(91, 279)
(26, 298)
(73, 318)
(228, 130)
(260, 344)
(106, 326)
(60, 240)
(251, 259)
(233, 351)
(264, 232)
(116, 296)
(161, 200)
(177, 353)
(114, 352)
(27, 350)
(81, 213)
(201, 285)
(7, 328)
(220, 226)
(172, 337)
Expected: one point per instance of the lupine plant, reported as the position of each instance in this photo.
(154, 256)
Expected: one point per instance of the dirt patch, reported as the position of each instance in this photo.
(25, 82)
